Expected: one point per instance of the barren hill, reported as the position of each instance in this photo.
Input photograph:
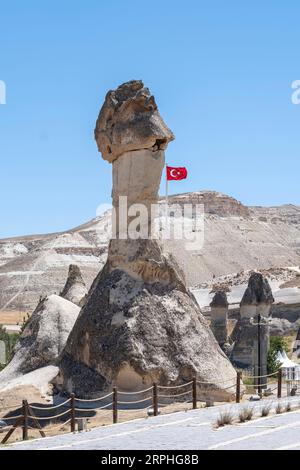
(236, 237)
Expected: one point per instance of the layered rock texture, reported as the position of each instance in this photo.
(214, 203)
(75, 289)
(41, 342)
(255, 307)
(139, 323)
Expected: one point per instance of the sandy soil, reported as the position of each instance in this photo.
(9, 317)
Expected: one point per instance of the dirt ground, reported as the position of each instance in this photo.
(12, 317)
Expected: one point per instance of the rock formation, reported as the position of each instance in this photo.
(283, 327)
(219, 314)
(296, 348)
(128, 121)
(257, 300)
(139, 323)
(75, 289)
(42, 339)
(214, 203)
(36, 265)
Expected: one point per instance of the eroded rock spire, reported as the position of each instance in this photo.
(139, 324)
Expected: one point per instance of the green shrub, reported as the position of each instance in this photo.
(277, 344)
(10, 340)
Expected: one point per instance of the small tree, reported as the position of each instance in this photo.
(10, 342)
(277, 344)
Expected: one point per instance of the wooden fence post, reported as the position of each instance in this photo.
(36, 421)
(73, 413)
(238, 387)
(279, 383)
(155, 400)
(25, 420)
(194, 393)
(115, 405)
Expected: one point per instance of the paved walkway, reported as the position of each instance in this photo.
(185, 430)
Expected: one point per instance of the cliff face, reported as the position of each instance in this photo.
(214, 203)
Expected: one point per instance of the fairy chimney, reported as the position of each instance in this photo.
(219, 314)
(75, 289)
(139, 324)
(257, 300)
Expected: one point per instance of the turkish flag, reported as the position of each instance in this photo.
(176, 173)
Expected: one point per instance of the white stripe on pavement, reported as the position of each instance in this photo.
(290, 446)
(251, 436)
(126, 433)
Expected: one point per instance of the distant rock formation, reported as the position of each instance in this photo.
(43, 338)
(75, 289)
(36, 265)
(283, 327)
(219, 314)
(214, 203)
(258, 297)
(296, 348)
(139, 323)
(256, 301)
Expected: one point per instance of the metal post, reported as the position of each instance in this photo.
(166, 201)
(155, 400)
(279, 383)
(194, 393)
(238, 387)
(115, 405)
(73, 414)
(259, 389)
(25, 420)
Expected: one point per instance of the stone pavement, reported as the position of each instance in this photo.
(186, 430)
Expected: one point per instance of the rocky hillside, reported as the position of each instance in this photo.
(236, 238)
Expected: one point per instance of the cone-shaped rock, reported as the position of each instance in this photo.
(139, 323)
(219, 300)
(258, 292)
(219, 314)
(43, 337)
(257, 300)
(75, 289)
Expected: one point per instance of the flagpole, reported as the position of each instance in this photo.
(167, 198)
(167, 186)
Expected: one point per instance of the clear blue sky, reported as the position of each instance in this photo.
(221, 73)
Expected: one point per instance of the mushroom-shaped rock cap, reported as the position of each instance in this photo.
(219, 300)
(129, 120)
(258, 291)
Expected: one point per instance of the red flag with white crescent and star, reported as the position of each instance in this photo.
(176, 173)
